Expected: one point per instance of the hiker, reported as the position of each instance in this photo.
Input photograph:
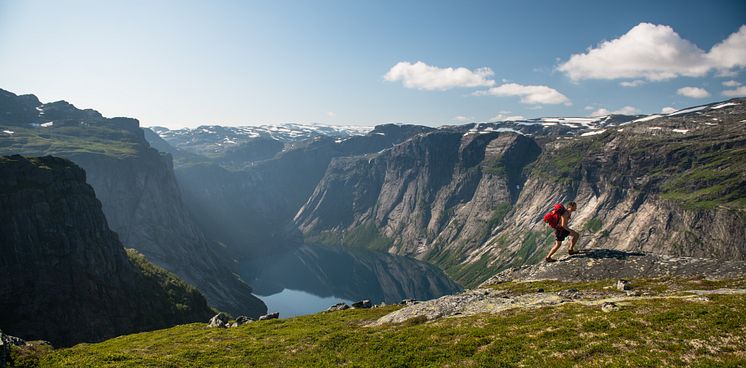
(558, 218)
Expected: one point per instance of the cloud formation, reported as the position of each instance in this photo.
(529, 94)
(634, 83)
(655, 53)
(693, 92)
(431, 78)
(668, 110)
(731, 83)
(462, 118)
(503, 117)
(626, 110)
(738, 92)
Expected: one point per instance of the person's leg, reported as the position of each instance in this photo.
(575, 236)
(557, 245)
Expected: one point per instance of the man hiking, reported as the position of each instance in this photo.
(558, 218)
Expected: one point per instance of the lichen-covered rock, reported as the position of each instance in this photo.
(242, 320)
(338, 307)
(362, 304)
(623, 285)
(218, 320)
(609, 307)
(274, 315)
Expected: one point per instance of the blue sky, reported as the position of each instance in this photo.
(186, 63)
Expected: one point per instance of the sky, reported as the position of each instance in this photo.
(190, 63)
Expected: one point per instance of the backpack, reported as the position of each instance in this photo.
(552, 217)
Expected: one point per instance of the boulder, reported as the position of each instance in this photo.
(338, 307)
(219, 320)
(623, 285)
(408, 302)
(362, 304)
(274, 315)
(609, 307)
(242, 320)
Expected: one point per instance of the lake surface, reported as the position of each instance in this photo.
(312, 278)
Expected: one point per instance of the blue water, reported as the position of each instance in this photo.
(311, 278)
(292, 303)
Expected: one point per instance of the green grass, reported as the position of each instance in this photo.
(644, 333)
(99, 138)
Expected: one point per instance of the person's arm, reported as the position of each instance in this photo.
(563, 221)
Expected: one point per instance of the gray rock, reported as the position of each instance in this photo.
(609, 307)
(623, 285)
(242, 320)
(362, 304)
(634, 293)
(408, 301)
(569, 294)
(274, 315)
(218, 320)
(338, 307)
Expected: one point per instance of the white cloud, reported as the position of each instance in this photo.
(422, 76)
(693, 92)
(626, 110)
(589, 107)
(732, 83)
(668, 110)
(531, 95)
(503, 117)
(738, 92)
(655, 53)
(331, 114)
(462, 118)
(634, 83)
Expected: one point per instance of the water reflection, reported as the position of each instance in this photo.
(312, 278)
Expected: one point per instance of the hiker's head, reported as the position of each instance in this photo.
(572, 206)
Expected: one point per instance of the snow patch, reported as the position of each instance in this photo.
(9, 132)
(593, 133)
(724, 105)
(47, 125)
(655, 128)
(647, 118)
(683, 131)
(686, 111)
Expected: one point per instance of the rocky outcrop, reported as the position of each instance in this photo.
(66, 276)
(600, 264)
(136, 185)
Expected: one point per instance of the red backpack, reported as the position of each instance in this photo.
(552, 217)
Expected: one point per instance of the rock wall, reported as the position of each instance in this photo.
(66, 277)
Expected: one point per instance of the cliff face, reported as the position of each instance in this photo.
(66, 277)
(457, 197)
(137, 188)
(434, 197)
(251, 209)
(673, 185)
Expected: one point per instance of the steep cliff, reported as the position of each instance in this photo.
(136, 186)
(66, 277)
(435, 196)
(251, 209)
(673, 185)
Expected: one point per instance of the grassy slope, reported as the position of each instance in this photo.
(643, 333)
(100, 138)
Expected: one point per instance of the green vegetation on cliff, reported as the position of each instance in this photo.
(646, 332)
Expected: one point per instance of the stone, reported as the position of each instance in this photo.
(274, 315)
(338, 307)
(623, 285)
(609, 307)
(408, 301)
(569, 294)
(364, 304)
(242, 320)
(219, 320)
(539, 290)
